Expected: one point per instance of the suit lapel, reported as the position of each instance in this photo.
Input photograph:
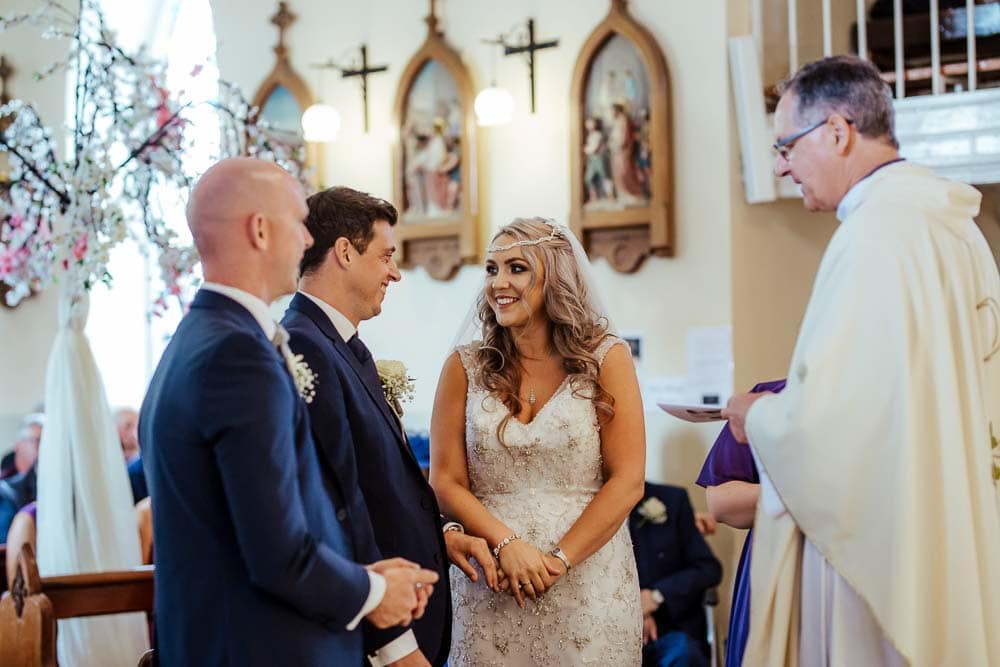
(305, 306)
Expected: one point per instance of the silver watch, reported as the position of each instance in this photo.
(561, 555)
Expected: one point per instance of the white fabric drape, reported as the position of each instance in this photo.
(86, 522)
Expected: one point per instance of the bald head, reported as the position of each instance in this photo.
(246, 219)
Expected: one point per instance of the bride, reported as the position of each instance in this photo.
(538, 446)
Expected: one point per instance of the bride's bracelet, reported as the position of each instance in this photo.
(504, 542)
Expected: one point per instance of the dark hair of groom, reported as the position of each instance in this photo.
(342, 212)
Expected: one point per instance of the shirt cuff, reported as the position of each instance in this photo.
(398, 648)
(376, 591)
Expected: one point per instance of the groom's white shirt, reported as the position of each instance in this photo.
(261, 313)
(406, 643)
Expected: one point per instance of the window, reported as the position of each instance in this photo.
(127, 338)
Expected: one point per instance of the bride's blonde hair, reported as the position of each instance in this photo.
(577, 330)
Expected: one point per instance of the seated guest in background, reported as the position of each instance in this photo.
(7, 468)
(127, 423)
(254, 565)
(676, 568)
(22, 531)
(137, 479)
(21, 488)
(25, 451)
(732, 487)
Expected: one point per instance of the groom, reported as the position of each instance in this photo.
(345, 275)
(252, 568)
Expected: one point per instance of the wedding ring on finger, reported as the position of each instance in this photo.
(418, 585)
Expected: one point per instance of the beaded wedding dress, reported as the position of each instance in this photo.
(538, 483)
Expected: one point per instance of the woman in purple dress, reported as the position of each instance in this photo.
(732, 488)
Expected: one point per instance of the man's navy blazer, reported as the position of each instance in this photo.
(349, 413)
(252, 565)
(673, 558)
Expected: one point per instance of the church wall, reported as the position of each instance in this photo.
(524, 166)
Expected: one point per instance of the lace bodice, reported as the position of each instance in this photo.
(538, 482)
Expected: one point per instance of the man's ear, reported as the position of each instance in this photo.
(843, 136)
(258, 231)
(341, 252)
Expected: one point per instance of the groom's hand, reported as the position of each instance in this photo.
(462, 547)
(407, 587)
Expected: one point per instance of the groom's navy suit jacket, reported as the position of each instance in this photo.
(351, 413)
(252, 564)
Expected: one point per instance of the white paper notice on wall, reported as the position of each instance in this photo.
(664, 389)
(710, 364)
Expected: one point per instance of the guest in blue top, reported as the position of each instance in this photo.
(732, 487)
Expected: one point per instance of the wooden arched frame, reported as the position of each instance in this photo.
(627, 236)
(284, 75)
(442, 245)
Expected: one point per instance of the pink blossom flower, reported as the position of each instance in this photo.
(197, 70)
(80, 248)
(6, 263)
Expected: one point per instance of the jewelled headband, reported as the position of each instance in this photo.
(558, 232)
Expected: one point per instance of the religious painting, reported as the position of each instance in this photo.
(620, 144)
(282, 112)
(432, 146)
(616, 142)
(434, 159)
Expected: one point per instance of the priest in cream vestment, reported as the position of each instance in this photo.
(877, 536)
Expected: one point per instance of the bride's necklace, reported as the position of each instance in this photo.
(531, 396)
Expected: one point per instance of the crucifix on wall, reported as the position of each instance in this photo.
(363, 72)
(529, 47)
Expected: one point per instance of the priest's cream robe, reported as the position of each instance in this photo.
(879, 447)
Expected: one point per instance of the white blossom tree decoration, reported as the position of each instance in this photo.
(127, 149)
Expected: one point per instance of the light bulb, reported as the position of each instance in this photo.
(321, 123)
(494, 106)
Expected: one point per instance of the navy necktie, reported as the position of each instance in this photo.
(364, 357)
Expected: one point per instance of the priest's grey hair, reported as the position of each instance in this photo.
(846, 85)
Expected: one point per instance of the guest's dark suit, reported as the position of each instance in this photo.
(350, 411)
(137, 479)
(252, 565)
(673, 558)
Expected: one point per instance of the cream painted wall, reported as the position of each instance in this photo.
(525, 165)
(27, 332)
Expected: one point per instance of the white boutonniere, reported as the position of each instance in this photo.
(304, 377)
(397, 385)
(652, 510)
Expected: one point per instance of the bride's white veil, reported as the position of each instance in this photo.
(471, 328)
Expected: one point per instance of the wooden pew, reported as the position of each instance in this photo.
(30, 609)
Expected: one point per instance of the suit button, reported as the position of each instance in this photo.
(341, 515)
(425, 502)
